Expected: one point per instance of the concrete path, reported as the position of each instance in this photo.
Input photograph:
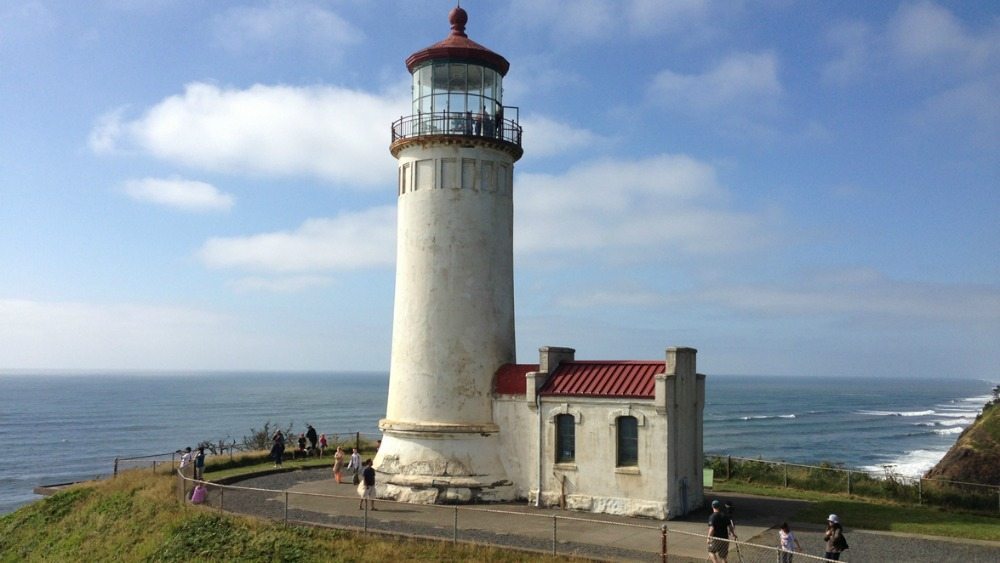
(314, 498)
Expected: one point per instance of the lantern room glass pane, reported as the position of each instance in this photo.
(457, 74)
(424, 81)
(475, 80)
(440, 79)
(489, 83)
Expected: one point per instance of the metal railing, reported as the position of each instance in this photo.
(537, 530)
(457, 123)
(853, 481)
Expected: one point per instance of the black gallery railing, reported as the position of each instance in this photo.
(466, 124)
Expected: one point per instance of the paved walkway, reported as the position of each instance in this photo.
(314, 498)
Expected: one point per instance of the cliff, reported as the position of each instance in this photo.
(975, 457)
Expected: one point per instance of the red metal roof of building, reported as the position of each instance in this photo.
(510, 378)
(604, 379)
(458, 46)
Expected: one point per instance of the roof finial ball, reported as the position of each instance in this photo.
(458, 18)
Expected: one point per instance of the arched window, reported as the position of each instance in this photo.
(565, 438)
(628, 441)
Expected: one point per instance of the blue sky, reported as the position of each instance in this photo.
(804, 188)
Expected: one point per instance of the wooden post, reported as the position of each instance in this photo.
(454, 533)
(729, 463)
(920, 490)
(785, 467)
(286, 508)
(357, 440)
(848, 482)
(115, 474)
(222, 497)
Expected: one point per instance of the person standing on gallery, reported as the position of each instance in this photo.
(338, 464)
(368, 482)
(720, 528)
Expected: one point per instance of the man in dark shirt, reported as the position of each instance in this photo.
(720, 528)
(368, 477)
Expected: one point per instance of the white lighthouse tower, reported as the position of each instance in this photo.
(453, 323)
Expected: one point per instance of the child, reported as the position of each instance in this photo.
(199, 493)
(322, 444)
(788, 543)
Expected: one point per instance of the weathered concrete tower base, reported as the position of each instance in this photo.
(443, 467)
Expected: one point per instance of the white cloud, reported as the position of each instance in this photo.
(740, 82)
(883, 299)
(572, 22)
(550, 137)
(854, 43)
(280, 23)
(332, 133)
(347, 242)
(632, 209)
(287, 284)
(569, 21)
(187, 195)
(923, 33)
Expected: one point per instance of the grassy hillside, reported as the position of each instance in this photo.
(975, 457)
(135, 517)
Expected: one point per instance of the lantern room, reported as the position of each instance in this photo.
(458, 90)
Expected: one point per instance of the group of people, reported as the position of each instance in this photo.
(363, 474)
(196, 461)
(721, 529)
(309, 443)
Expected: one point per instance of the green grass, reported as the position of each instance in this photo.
(870, 514)
(135, 517)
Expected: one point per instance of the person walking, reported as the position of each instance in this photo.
(368, 485)
(720, 528)
(354, 465)
(788, 543)
(836, 543)
(338, 464)
(311, 436)
(278, 447)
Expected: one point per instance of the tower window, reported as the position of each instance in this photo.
(628, 441)
(565, 438)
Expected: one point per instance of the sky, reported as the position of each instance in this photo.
(801, 188)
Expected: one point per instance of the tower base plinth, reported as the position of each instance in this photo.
(432, 465)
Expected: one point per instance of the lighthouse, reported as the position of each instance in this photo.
(453, 317)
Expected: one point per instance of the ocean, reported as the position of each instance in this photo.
(61, 427)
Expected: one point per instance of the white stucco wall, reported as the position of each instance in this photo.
(453, 322)
(665, 483)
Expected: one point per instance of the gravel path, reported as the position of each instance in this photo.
(865, 545)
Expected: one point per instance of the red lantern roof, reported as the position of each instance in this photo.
(459, 46)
